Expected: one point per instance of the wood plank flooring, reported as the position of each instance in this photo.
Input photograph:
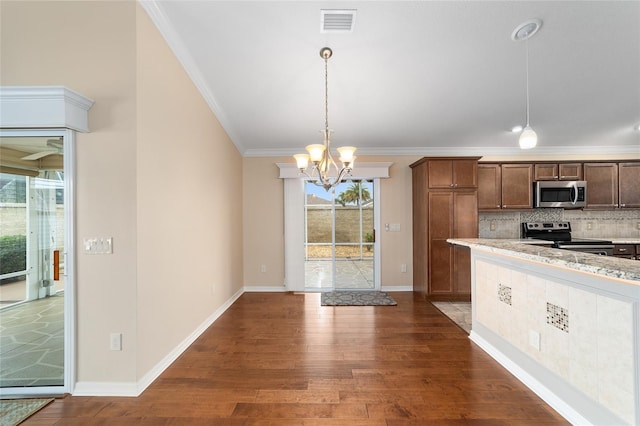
(282, 359)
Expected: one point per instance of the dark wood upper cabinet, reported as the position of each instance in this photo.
(602, 184)
(629, 184)
(517, 186)
(449, 173)
(489, 186)
(557, 171)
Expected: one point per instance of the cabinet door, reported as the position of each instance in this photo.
(570, 171)
(465, 174)
(440, 174)
(440, 252)
(465, 225)
(602, 184)
(453, 174)
(489, 186)
(629, 181)
(517, 186)
(545, 171)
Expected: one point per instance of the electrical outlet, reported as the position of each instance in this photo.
(492, 226)
(589, 226)
(638, 226)
(263, 268)
(403, 267)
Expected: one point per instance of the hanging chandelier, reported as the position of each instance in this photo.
(528, 138)
(326, 171)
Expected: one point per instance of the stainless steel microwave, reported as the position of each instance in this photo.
(569, 194)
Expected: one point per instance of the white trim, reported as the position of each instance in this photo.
(69, 259)
(396, 288)
(69, 262)
(546, 394)
(293, 243)
(264, 289)
(170, 35)
(29, 107)
(106, 389)
(136, 388)
(360, 171)
(444, 151)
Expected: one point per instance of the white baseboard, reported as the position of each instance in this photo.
(264, 289)
(396, 288)
(546, 394)
(136, 388)
(106, 389)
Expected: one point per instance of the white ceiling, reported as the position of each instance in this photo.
(414, 77)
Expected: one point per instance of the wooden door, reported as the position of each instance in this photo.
(440, 174)
(465, 225)
(570, 171)
(489, 186)
(602, 184)
(517, 186)
(629, 184)
(465, 173)
(440, 253)
(545, 171)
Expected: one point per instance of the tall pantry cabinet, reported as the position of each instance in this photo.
(445, 205)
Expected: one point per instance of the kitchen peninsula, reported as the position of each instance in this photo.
(566, 323)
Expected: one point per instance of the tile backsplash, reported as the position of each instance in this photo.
(584, 224)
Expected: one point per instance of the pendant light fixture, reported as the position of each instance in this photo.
(528, 138)
(323, 165)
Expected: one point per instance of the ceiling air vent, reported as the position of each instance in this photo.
(337, 21)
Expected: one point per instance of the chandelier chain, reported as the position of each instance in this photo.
(326, 97)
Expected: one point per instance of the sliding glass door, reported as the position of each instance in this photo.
(32, 270)
(339, 236)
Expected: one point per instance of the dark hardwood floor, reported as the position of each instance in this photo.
(282, 359)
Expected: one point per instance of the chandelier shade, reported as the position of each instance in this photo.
(318, 163)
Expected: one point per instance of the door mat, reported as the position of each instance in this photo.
(15, 411)
(357, 298)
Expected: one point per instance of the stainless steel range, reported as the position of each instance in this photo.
(559, 233)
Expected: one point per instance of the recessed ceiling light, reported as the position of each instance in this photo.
(516, 129)
(526, 30)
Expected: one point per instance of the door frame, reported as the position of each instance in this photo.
(52, 110)
(69, 262)
(294, 219)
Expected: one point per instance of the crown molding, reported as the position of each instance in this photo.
(166, 29)
(470, 151)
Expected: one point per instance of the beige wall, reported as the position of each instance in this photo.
(264, 204)
(263, 200)
(189, 198)
(153, 142)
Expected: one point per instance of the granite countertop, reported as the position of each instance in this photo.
(608, 266)
(623, 240)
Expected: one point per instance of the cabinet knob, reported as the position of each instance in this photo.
(623, 205)
(622, 249)
(556, 177)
